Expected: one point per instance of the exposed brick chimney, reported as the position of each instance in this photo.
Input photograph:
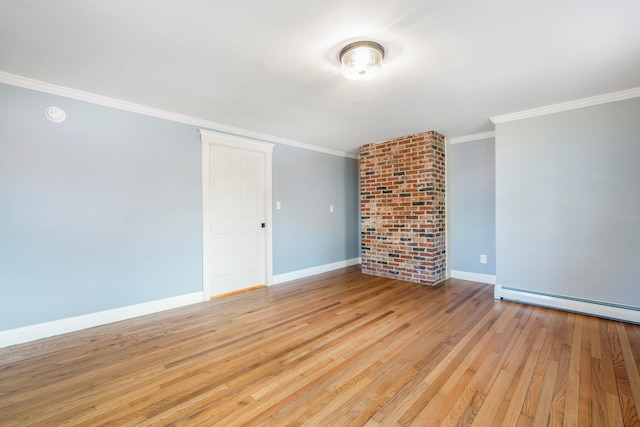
(402, 195)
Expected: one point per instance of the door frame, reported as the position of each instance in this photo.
(209, 138)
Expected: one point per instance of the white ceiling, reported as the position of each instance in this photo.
(271, 66)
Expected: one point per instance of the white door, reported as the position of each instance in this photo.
(237, 215)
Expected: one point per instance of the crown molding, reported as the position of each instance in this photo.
(473, 137)
(570, 105)
(40, 86)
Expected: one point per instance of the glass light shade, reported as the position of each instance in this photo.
(361, 60)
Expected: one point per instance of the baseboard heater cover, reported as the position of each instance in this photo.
(577, 305)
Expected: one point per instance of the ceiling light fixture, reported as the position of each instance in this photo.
(362, 60)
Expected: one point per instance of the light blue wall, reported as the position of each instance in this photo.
(104, 210)
(98, 212)
(305, 233)
(472, 211)
(568, 203)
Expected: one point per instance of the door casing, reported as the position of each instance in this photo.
(209, 138)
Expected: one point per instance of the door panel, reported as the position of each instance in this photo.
(250, 251)
(223, 195)
(223, 254)
(248, 197)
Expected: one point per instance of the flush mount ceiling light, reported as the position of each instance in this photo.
(362, 60)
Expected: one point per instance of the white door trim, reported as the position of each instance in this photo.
(209, 138)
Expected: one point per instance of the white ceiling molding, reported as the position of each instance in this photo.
(570, 105)
(472, 137)
(27, 83)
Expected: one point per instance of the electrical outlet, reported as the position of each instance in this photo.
(331, 208)
(278, 206)
(483, 259)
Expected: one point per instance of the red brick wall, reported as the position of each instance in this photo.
(402, 195)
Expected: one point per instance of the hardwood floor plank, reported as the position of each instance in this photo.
(633, 338)
(613, 414)
(379, 330)
(584, 404)
(341, 348)
(572, 401)
(439, 376)
(438, 337)
(515, 400)
(533, 393)
(501, 392)
(367, 403)
(627, 377)
(558, 403)
(542, 416)
(447, 365)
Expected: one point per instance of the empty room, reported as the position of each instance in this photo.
(336, 213)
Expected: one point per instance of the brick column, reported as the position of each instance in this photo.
(402, 184)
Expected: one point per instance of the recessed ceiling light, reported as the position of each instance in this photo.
(55, 114)
(362, 60)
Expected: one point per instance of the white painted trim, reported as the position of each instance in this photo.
(206, 221)
(72, 324)
(447, 210)
(301, 274)
(474, 277)
(226, 140)
(473, 137)
(566, 106)
(15, 80)
(209, 138)
(268, 194)
(560, 303)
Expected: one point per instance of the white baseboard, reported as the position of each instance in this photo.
(560, 303)
(474, 277)
(300, 274)
(71, 324)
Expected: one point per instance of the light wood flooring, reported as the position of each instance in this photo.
(337, 349)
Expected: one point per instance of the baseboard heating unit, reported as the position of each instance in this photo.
(577, 305)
